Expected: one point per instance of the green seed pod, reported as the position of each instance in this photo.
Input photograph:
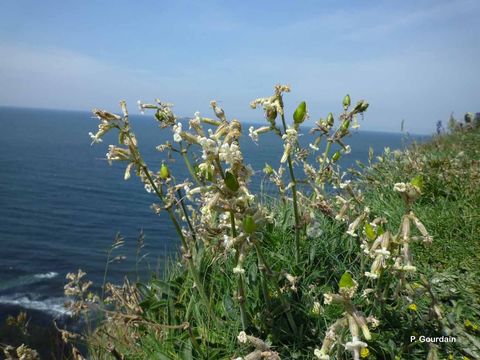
(164, 172)
(336, 156)
(346, 281)
(231, 181)
(249, 224)
(330, 119)
(369, 231)
(346, 102)
(300, 113)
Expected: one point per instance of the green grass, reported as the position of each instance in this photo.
(174, 324)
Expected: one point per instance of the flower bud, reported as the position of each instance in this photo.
(330, 119)
(336, 156)
(369, 231)
(249, 224)
(364, 106)
(300, 113)
(417, 181)
(346, 281)
(346, 102)
(361, 106)
(231, 181)
(345, 125)
(164, 172)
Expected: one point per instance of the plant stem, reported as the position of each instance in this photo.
(294, 195)
(185, 212)
(188, 255)
(183, 151)
(240, 282)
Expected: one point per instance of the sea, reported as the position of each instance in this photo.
(62, 204)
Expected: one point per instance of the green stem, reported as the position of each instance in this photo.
(109, 252)
(240, 282)
(183, 151)
(188, 255)
(325, 154)
(294, 195)
(185, 212)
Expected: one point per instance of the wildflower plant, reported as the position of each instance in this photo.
(226, 233)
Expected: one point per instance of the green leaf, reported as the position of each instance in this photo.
(346, 281)
(231, 181)
(417, 181)
(300, 113)
(369, 231)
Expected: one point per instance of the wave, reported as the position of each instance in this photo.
(52, 306)
(26, 280)
(49, 275)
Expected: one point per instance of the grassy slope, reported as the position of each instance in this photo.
(449, 208)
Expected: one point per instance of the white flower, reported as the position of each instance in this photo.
(344, 184)
(230, 153)
(320, 355)
(383, 251)
(148, 188)
(351, 232)
(409, 268)
(317, 308)
(327, 298)
(400, 187)
(347, 149)
(253, 134)
(227, 241)
(95, 138)
(374, 322)
(242, 337)
(355, 345)
(209, 147)
(238, 270)
(177, 129)
(371, 275)
(313, 147)
(140, 107)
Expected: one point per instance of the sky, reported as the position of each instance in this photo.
(415, 61)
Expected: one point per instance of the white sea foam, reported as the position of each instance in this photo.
(49, 275)
(52, 306)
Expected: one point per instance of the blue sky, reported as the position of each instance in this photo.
(412, 60)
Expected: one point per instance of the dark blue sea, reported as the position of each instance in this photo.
(61, 204)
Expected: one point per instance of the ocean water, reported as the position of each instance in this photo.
(61, 204)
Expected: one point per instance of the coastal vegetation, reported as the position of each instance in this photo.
(379, 261)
